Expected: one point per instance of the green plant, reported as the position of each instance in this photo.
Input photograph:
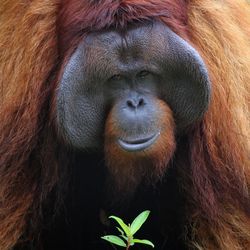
(126, 238)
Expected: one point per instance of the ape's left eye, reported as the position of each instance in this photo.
(116, 77)
(143, 73)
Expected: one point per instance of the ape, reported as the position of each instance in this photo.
(119, 106)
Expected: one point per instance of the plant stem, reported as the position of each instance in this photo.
(128, 243)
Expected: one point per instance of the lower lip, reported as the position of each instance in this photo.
(133, 147)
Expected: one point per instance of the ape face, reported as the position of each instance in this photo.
(138, 88)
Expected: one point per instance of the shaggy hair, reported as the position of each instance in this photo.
(36, 38)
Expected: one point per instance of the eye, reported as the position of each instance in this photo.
(115, 77)
(143, 73)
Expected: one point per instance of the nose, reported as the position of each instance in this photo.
(136, 114)
(134, 103)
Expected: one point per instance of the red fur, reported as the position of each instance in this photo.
(77, 17)
(37, 35)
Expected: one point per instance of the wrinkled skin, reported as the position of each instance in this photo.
(130, 70)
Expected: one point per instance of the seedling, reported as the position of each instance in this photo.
(126, 238)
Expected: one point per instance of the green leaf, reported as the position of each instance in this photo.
(131, 243)
(125, 228)
(119, 229)
(146, 242)
(138, 221)
(115, 240)
(124, 237)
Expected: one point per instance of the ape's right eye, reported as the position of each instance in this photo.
(143, 73)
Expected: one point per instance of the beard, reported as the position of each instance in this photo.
(130, 169)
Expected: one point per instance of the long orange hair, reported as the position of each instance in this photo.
(32, 48)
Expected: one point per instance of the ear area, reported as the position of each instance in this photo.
(188, 86)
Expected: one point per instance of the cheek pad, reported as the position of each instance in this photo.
(187, 86)
(80, 110)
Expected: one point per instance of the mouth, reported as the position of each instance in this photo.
(138, 144)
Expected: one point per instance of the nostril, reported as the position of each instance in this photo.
(141, 102)
(135, 103)
(130, 104)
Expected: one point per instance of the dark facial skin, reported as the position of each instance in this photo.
(127, 72)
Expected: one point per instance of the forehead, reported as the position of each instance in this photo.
(139, 42)
(133, 41)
